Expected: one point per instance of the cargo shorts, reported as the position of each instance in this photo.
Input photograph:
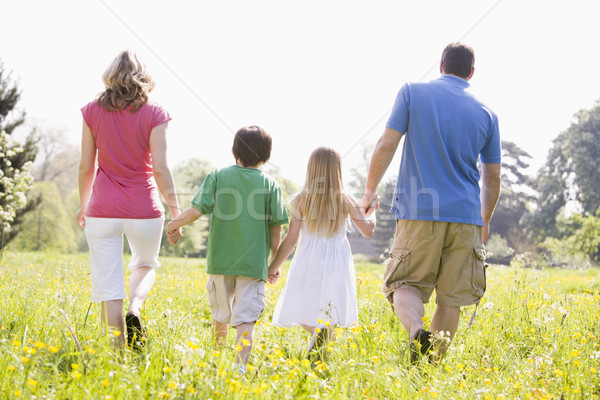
(446, 256)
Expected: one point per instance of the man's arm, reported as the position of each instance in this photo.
(490, 192)
(380, 161)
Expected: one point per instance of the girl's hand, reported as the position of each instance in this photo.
(80, 218)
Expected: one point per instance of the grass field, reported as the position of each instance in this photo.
(535, 336)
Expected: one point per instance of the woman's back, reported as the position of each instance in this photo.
(124, 185)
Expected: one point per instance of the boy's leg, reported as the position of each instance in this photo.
(248, 304)
(244, 338)
(219, 332)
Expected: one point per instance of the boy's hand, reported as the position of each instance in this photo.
(173, 237)
(173, 233)
(272, 278)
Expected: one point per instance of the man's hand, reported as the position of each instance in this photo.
(370, 203)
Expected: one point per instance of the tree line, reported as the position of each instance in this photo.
(553, 215)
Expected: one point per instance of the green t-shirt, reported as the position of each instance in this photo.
(243, 203)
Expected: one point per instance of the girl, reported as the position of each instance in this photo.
(320, 290)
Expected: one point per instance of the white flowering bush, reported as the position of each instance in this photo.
(14, 183)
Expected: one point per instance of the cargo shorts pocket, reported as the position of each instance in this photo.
(260, 299)
(479, 271)
(213, 301)
(396, 269)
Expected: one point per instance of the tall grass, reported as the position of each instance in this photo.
(535, 336)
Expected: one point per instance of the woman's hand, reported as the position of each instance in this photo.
(80, 217)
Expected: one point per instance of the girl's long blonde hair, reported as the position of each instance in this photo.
(127, 83)
(322, 202)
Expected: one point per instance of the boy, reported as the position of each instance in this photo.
(247, 210)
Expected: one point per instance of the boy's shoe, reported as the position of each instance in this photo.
(241, 369)
(423, 345)
(136, 334)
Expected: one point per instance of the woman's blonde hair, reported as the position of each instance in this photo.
(322, 202)
(127, 83)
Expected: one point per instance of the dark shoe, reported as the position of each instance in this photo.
(422, 345)
(136, 334)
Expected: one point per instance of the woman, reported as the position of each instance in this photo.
(127, 134)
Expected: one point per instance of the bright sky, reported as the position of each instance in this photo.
(311, 73)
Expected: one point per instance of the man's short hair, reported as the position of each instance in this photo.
(252, 146)
(458, 59)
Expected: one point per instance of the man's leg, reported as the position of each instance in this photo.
(445, 320)
(409, 309)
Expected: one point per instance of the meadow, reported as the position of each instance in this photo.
(535, 337)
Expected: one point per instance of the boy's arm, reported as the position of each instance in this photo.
(186, 217)
(287, 245)
(275, 234)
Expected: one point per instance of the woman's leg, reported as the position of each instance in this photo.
(141, 282)
(111, 314)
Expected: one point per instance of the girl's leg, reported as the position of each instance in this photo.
(111, 314)
(244, 338)
(219, 332)
(140, 284)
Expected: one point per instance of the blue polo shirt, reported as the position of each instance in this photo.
(446, 130)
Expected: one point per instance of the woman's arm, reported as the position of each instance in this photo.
(365, 225)
(87, 167)
(160, 168)
(287, 245)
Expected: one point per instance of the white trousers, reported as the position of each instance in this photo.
(105, 241)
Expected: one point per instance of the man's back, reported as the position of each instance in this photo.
(446, 129)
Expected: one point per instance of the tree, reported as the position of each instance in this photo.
(386, 221)
(48, 227)
(189, 176)
(15, 162)
(570, 173)
(57, 160)
(581, 237)
(14, 185)
(513, 208)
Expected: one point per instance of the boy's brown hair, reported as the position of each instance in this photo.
(252, 146)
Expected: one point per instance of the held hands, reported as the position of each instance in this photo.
(273, 276)
(370, 202)
(174, 233)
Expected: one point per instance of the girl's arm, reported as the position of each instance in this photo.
(288, 243)
(87, 166)
(160, 168)
(365, 225)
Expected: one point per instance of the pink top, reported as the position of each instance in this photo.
(124, 186)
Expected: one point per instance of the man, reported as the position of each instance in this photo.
(442, 215)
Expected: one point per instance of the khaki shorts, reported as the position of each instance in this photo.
(235, 299)
(446, 256)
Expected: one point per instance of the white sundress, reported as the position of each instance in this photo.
(321, 283)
